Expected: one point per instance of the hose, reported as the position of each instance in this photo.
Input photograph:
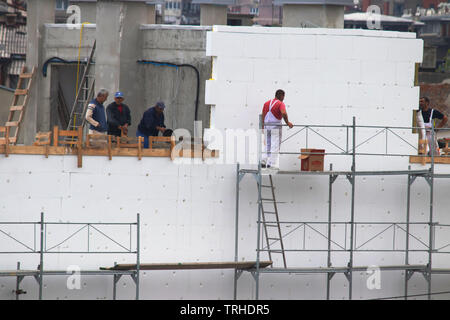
(170, 64)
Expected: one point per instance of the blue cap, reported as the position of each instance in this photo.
(160, 104)
(118, 95)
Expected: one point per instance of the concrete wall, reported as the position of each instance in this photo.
(6, 98)
(324, 16)
(177, 87)
(143, 85)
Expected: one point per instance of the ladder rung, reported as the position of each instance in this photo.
(16, 108)
(26, 75)
(272, 225)
(12, 124)
(273, 238)
(275, 251)
(266, 186)
(270, 212)
(21, 92)
(265, 199)
(12, 139)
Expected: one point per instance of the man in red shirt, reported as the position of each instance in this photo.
(273, 111)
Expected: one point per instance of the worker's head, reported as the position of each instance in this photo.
(160, 106)
(424, 102)
(118, 97)
(279, 94)
(102, 95)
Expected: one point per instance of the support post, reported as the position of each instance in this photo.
(41, 257)
(236, 232)
(330, 194)
(258, 243)
(430, 242)
(352, 217)
(408, 203)
(138, 254)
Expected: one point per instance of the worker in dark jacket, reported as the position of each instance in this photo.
(119, 117)
(152, 122)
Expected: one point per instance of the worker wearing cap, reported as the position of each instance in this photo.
(152, 122)
(273, 111)
(118, 115)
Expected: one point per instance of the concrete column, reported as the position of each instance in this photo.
(151, 14)
(118, 49)
(212, 14)
(38, 13)
(306, 15)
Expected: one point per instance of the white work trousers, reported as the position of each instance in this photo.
(273, 140)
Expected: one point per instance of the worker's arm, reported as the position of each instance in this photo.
(162, 126)
(443, 122)
(89, 113)
(285, 117)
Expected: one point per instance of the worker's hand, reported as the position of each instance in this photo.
(290, 125)
(162, 129)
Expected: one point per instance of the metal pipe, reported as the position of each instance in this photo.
(430, 248)
(352, 218)
(408, 204)
(41, 257)
(330, 191)
(236, 235)
(138, 253)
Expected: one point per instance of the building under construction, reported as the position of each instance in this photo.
(198, 218)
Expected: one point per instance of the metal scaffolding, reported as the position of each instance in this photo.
(42, 249)
(351, 226)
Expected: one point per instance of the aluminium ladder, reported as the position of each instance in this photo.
(17, 109)
(84, 94)
(271, 221)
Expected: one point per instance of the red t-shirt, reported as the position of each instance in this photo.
(277, 108)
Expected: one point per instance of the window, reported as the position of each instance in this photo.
(62, 4)
(254, 11)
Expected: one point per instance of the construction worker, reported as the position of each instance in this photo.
(273, 111)
(428, 115)
(96, 115)
(119, 117)
(152, 122)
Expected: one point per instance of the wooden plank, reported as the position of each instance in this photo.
(25, 75)
(29, 150)
(16, 108)
(438, 160)
(12, 124)
(241, 265)
(62, 150)
(21, 92)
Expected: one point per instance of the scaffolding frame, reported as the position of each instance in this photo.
(429, 175)
(42, 249)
